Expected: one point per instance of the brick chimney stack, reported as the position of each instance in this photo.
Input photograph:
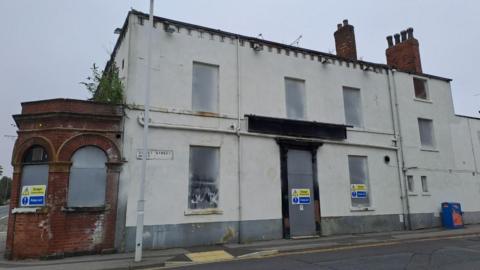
(345, 41)
(404, 55)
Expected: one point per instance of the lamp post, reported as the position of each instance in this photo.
(146, 120)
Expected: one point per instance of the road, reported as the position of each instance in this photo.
(457, 253)
(3, 212)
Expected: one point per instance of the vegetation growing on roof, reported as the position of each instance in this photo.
(105, 86)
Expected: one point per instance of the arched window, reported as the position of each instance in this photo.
(88, 178)
(34, 177)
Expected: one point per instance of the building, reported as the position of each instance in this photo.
(254, 140)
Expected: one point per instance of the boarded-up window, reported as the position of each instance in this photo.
(359, 183)
(295, 98)
(425, 127)
(205, 88)
(353, 107)
(410, 183)
(424, 184)
(420, 87)
(35, 168)
(203, 182)
(88, 177)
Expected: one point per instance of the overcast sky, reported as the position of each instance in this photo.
(47, 47)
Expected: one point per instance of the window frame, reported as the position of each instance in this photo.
(424, 182)
(206, 210)
(432, 131)
(69, 204)
(361, 124)
(425, 86)
(217, 88)
(303, 97)
(411, 184)
(366, 182)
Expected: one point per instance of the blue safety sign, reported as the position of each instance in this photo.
(361, 194)
(36, 200)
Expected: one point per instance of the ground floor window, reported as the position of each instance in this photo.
(34, 177)
(203, 178)
(424, 184)
(358, 169)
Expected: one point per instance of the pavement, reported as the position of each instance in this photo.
(181, 257)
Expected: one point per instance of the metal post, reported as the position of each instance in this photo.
(146, 121)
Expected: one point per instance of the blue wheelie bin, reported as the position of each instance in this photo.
(452, 215)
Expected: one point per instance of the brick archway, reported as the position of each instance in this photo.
(68, 148)
(20, 149)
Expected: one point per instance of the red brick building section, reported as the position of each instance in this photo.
(60, 127)
(404, 55)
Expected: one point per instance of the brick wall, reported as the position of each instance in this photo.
(61, 126)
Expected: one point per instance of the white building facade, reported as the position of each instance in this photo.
(255, 140)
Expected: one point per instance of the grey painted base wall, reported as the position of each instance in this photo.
(196, 234)
(360, 224)
(429, 220)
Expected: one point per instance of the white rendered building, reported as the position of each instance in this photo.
(252, 139)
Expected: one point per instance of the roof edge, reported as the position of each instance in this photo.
(255, 39)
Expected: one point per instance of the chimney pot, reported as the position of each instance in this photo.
(390, 41)
(345, 22)
(404, 35)
(397, 38)
(410, 33)
(339, 26)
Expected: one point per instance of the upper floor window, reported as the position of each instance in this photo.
(420, 86)
(295, 98)
(203, 180)
(205, 88)
(359, 182)
(34, 178)
(88, 178)
(352, 103)
(425, 127)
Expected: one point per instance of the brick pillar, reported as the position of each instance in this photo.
(345, 41)
(404, 55)
(57, 190)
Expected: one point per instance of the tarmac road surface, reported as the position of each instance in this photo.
(456, 253)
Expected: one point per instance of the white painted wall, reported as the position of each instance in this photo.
(261, 87)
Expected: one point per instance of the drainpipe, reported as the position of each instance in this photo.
(471, 143)
(239, 148)
(397, 132)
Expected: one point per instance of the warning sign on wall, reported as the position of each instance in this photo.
(33, 195)
(301, 196)
(359, 191)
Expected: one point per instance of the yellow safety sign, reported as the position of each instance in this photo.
(38, 190)
(359, 187)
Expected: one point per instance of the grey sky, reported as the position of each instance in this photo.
(48, 46)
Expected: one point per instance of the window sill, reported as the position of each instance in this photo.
(30, 210)
(84, 209)
(427, 194)
(412, 194)
(354, 128)
(362, 209)
(423, 100)
(429, 150)
(203, 212)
